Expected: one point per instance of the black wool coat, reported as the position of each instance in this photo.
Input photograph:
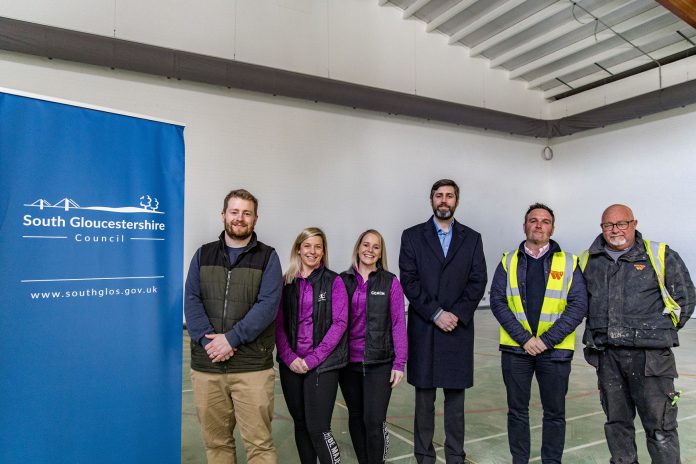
(456, 283)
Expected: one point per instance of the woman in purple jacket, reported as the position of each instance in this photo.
(312, 345)
(377, 346)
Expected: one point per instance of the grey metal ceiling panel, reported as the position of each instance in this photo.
(530, 33)
(435, 8)
(550, 85)
(665, 56)
(403, 4)
(538, 30)
(587, 30)
(632, 34)
(626, 56)
(506, 21)
(572, 58)
(549, 43)
(550, 47)
(468, 16)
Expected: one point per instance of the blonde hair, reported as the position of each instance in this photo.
(382, 260)
(295, 262)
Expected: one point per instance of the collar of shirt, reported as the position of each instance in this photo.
(616, 254)
(445, 237)
(439, 230)
(542, 251)
(358, 276)
(299, 273)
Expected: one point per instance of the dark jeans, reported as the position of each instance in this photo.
(424, 426)
(310, 398)
(367, 392)
(633, 379)
(552, 377)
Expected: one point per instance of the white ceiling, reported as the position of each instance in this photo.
(556, 45)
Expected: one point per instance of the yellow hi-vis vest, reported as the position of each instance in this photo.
(555, 298)
(654, 249)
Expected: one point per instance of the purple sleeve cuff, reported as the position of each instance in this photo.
(396, 301)
(311, 361)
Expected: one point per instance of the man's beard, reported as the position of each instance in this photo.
(230, 232)
(443, 213)
(617, 241)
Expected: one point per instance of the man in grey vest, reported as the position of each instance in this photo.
(232, 294)
(640, 295)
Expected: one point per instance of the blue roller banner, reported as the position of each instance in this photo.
(91, 244)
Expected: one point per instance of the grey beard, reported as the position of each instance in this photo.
(618, 241)
(443, 214)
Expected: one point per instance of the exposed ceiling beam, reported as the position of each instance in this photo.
(610, 6)
(685, 9)
(414, 8)
(526, 23)
(630, 68)
(601, 36)
(636, 43)
(641, 42)
(483, 20)
(449, 14)
(657, 55)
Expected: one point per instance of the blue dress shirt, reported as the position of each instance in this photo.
(445, 237)
(445, 240)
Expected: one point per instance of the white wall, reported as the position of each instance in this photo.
(310, 164)
(648, 165)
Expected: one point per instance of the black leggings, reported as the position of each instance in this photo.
(310, 398)
(367, 391)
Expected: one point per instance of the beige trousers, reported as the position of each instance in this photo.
(225, 400)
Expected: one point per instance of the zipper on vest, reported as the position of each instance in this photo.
(224, 305)
(363, 365)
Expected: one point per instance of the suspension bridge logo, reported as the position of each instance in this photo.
(147, 204)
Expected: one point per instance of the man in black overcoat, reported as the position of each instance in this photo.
(443, 273)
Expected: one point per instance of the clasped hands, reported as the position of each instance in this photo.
(534, 346)
(299, 366)
(446, 321)
(219, 349)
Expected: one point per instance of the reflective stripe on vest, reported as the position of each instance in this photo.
(555, 297)
(653, 249)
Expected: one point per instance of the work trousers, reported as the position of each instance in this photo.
(367, 391)
(310, 399)
(633, 379)
(225, 400)
(424, 425)
(552, 377)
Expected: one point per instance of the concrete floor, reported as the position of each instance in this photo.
(486, 438)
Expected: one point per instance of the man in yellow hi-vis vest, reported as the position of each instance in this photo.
(640, 295)
(539, 297)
